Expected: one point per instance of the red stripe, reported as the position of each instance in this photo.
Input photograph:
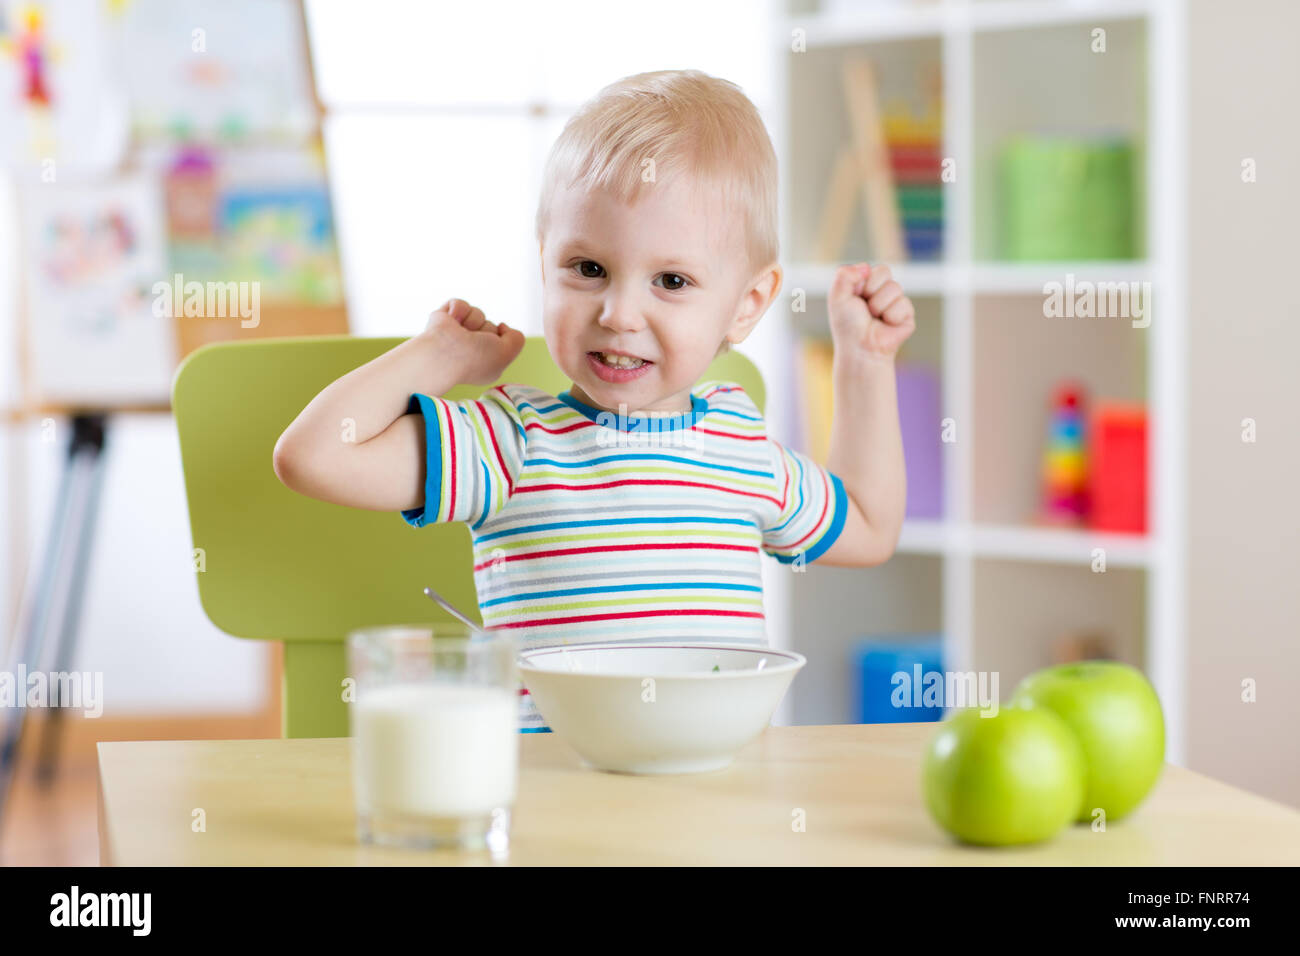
(721, 389)
(623, 617)
(785, 467)
(496, 448)
(710, 431)
(556, 552)
(645, 481)
(585, 423)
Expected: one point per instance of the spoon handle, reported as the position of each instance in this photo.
(434, 595)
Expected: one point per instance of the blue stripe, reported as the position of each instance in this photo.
(832, 533)
(539, 409)
(535, 730)
(561, 525)
(681, 585)
(487, 495)
(668, 423)
(433, 460)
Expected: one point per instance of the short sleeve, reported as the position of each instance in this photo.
(813, 507)
(473, 454)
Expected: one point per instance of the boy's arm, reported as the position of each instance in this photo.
(866, 453)
(870, 318)
(355, 445)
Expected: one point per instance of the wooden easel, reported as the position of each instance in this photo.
(48, 604)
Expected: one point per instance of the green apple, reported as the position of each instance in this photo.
(1113, 710)
(1014, 777)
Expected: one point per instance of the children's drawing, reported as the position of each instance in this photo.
(61, 108)
(95, 253)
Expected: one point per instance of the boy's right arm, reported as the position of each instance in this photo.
(355, 445)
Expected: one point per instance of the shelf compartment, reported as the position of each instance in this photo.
(1023, 612)
(1048, 81)
(831, 609)
(1019, 357)
(823, 181)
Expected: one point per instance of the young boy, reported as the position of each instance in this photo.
(635, 505)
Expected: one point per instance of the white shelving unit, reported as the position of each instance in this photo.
(976, 551)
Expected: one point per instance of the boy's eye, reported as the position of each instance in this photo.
(590, 269)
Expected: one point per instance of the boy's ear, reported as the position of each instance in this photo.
(755, 302)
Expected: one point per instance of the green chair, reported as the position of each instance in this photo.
(275, 565)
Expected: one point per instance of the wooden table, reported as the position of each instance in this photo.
(289, 802)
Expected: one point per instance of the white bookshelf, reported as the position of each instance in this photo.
(994, 578)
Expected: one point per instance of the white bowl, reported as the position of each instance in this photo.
(658, 708)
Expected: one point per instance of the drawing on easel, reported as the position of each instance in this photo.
(215, 70)
(182, 143)
(94, 253)
(61, 108)
(266, 213)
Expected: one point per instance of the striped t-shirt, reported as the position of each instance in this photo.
(588, 526)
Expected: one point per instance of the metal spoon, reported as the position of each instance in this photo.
(446, 606)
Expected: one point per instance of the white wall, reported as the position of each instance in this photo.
(1244, 342)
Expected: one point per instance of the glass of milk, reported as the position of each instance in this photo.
(435, 736)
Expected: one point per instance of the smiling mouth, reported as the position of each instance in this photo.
(620, 361)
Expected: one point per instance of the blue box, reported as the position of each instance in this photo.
(885, 678)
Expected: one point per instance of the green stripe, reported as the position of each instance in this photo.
(498, 480)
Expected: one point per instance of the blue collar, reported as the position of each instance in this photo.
(663, 423)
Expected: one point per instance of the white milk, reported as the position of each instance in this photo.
(435, 749)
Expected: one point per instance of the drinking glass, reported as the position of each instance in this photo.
(435, 736)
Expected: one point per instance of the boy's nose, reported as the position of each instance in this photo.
(621, 317)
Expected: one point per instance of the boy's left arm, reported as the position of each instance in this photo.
(869, 319)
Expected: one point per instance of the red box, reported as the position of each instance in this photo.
(1117, 464)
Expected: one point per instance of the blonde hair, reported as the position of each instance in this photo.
(671, 122)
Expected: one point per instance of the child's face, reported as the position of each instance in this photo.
(664, 280)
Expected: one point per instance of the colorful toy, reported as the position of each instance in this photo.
(1067, 198)
(1118, 488)
(895, 677)
(915, 144)
(1065, 465)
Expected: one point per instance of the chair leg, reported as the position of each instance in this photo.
(313, 689)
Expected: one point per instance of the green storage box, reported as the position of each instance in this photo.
(1067, 199)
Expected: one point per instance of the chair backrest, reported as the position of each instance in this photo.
(275, 565)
